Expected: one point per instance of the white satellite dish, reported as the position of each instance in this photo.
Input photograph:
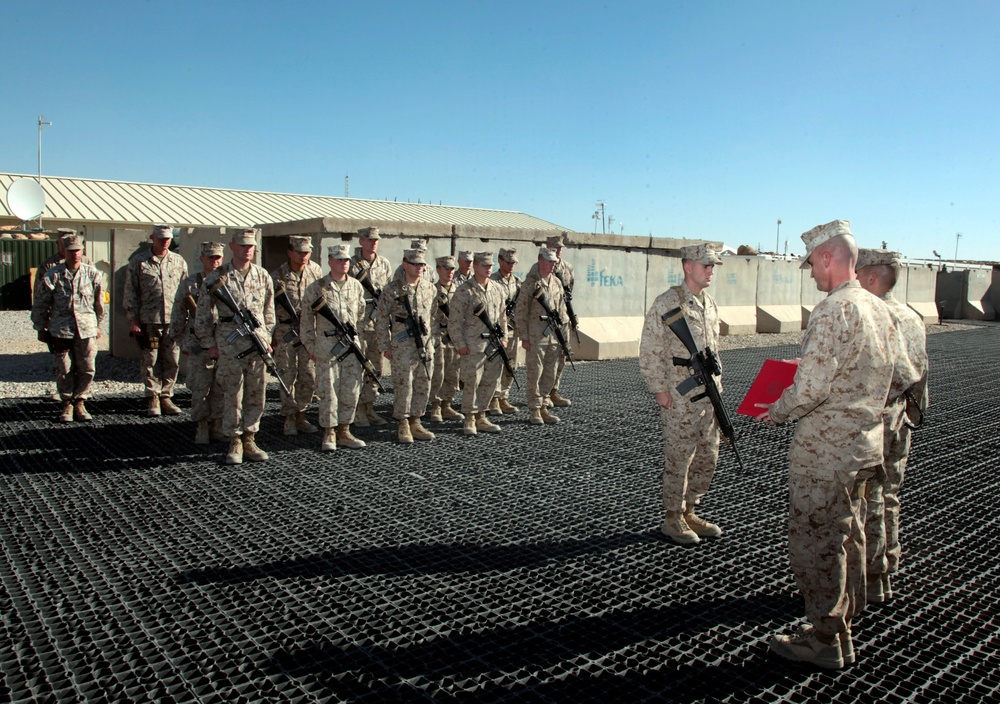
(26, 199)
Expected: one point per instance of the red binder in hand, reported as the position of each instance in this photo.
(774, 377)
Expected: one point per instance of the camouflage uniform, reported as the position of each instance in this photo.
(338, 383)
(410, 383)
(150, 286)
(564, 272)
(479, 375)
(542, 360)
(511, 284)
(70, 308)
(444, 380)
(242, 380)
(690, 429)
(380, 273)
(882, 520)
(838, 397)
(206, 394)
(293, 361)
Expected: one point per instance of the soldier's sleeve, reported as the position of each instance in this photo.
(817, 368)
(655, 365)
(178, 314)
(130, 297)
(99, 308)
(383, 322)
(456, 318)
(360, 307)
(307, 319)
(523, 305)
(42, 305)
(269, 318)
(207, 315)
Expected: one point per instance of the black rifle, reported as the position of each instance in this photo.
(555, 324)
(346, 335)
(365, 279)
(246, 326)
(703, 365)
(282, 298)
(415, 328)
(496, 340)
(445, 307)
(511, 306)
(574, 322)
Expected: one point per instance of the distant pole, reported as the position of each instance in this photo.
(777, 238)
(42, 124)
(611, 219)
(347, 186)
(958, 236)
(604, 227)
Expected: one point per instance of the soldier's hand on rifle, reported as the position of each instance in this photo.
(526, 345)
(388, 355)
(135, 328)
(312, 357)
(213, 352)
(464, 351)
(664, 400)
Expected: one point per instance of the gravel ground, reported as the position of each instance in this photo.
(26, 368)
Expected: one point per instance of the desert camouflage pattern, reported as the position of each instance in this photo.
(511, 285)
(150, 285)
(542, 360)
(882, 519)
(381, 274)
(298, 371)
(410, 383)
(838, 398)
(338, 384)
(689, 428)
(444, 378)
(479, 376)
(206, 394)
(242, 380)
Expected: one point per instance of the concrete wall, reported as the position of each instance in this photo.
(964, 294)
(779, 296)
(916, 286)
(735, 290)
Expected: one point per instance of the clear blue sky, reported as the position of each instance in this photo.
(688, 118)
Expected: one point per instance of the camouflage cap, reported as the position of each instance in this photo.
(876, 257)
(556, 241)
(370, 233)
(247, 235)
(823, 233)
(414, 256)
(508, 255)
(483, 258)
(704, 254)
(72, 242)
(547, 254)
(163, 232)
(418, 244)
(300, 243)
(466, 256)
(446, 262)
(339, 251)
(63, 231)
(212, 249)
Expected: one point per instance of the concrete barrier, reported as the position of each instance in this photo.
(735, 290)
(995, 289)
(779, 296)
(916, 286)
(963, 294)
(810, 295)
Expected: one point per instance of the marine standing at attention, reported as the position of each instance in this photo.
(374, 271)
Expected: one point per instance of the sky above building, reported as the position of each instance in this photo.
(686, 118)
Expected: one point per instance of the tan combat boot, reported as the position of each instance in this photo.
(469, 427)
(153, 411)
(449, 413)
(66, 416)
(250, 449)
(418, 431)
(235, 454)
(215, 433)
(558, 400)
(435, 412)
(676, 528)
(80, 411)
(304, 426)
(507, 407)
(403, 434)
(201, 434)
(700, 526)
(329, 443)
(536, 417)
(290, 428)
(494, 408)
(548, 416)
(168, 407)
(345, 439)
(373, 417)
(485, 425)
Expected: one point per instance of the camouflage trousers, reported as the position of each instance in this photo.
(479, 379)
(158, 367)
(444, 380)
(299, 372)
(410, 384)
(506, 380)
(206, 394)
(690, 453)
(562, 359)
(338, 385)
(541, 361)
(74, 368)
(243, 387)
(826, 544)
(882, 511)
(368, 341)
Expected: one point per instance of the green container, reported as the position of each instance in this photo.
(17, 259)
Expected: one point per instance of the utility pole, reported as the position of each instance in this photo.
(42, 124)
(777, 238)
(611, 219)
(958, 236)
(604, 227)
(347, 186)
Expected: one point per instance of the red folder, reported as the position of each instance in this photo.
(774, 377)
